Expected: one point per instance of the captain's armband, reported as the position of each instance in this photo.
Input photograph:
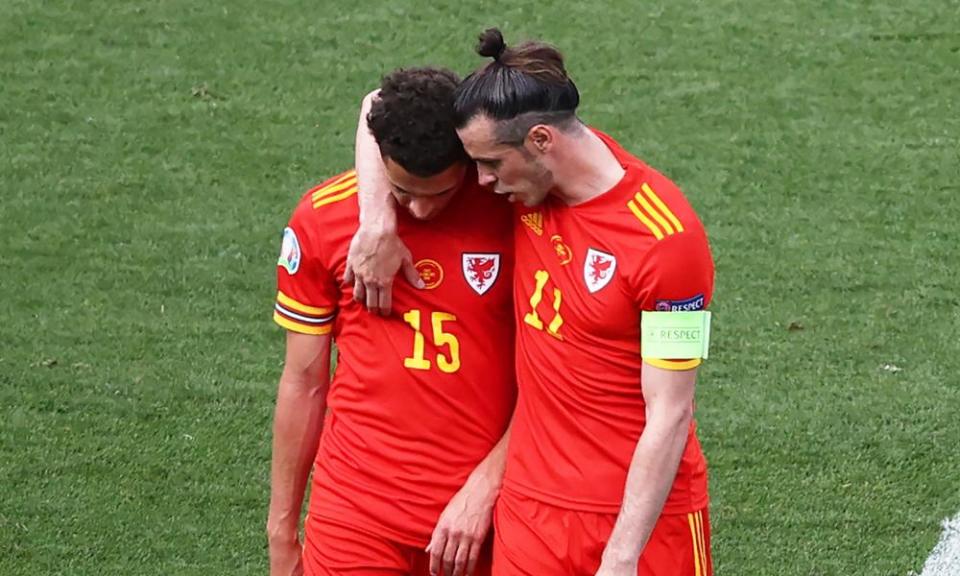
(675, 335)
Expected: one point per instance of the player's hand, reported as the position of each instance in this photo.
(373, 260)
(286, 557)
(462, 529)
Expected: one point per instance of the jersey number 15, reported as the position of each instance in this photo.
(446, 363)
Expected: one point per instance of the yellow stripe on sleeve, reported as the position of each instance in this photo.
(301, 328)
(656, 215)
(344, 176)
(674, 364)
(663, 207)
(335, 198)
(332, 189)
(292, 304)
(693, 538)
(643, 218)
(341, 178)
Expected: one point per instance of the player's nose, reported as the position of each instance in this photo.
(485, 176)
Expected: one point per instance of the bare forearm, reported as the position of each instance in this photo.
(651, 475)
(490, 470)
(377, 210)
(297, 425)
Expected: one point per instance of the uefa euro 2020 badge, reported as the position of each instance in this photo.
(289, 251)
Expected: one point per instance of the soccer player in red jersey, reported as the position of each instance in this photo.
(408, 441)
(604, 474)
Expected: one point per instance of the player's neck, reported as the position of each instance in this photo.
(586, 168)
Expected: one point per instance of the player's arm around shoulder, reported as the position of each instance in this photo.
(297, 424)
(376, 252)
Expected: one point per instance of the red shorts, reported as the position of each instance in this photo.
(536, 539)
(333, 549)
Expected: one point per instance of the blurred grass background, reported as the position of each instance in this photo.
(150, 153)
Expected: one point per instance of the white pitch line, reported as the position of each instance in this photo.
(945, 558)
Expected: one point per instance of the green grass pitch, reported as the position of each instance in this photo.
(150, 153)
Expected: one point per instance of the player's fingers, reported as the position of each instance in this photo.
(359, 290)
(385, 299)
(348, 274)
(436, 551)
(463, 554)
(450, 553)
(474, 557)
(411, 275)
(373, 298)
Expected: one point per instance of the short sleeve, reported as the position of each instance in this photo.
(677, 275)
(307, 294)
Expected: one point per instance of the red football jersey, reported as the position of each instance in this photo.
(583, 275)
(418, 399)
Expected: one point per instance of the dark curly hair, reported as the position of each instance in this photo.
(413, 122)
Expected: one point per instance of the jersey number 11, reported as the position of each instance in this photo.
(533, 318)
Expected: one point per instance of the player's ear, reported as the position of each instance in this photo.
(540, 137)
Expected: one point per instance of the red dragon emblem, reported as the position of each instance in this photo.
(599, 267)
(481, 270)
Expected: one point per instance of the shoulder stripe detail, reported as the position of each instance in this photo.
(663, 207)
(300, 328)
(295, 306)
(332, 189)
(653, 213)
(674, 364)
(345, 176)
(656, 215)
(348, 175)
(643, 218)
(336, 197)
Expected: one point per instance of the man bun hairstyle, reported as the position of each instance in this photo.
(413, 120)
(523, 86)
(491, 44)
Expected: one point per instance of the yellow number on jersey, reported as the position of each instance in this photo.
(533, 318)
(417, 362)
(447, 364)
(452, 363)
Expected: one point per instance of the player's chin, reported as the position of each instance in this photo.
(425, 217)
(531, 200)
(514, 197)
